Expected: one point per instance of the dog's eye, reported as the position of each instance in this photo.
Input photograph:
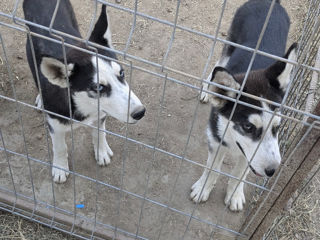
(121, 74)
(275, 129)
(97, 88)
(248, 127)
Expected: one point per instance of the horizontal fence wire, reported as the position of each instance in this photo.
(296, 113)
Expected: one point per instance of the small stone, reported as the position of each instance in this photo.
(165, 179)
(118, 1)
(169, 115)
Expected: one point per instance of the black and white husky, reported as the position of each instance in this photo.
(267, 79)
(81, 70)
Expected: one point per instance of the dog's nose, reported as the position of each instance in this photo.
(269, 171)
(138, 114)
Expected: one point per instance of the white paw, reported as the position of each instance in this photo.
(38, 102)
(196, 195)
(237, 201)
(204, 98)
(105, 155)
(60, 176)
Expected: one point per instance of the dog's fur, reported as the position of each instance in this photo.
(83, 74)
(267, 79)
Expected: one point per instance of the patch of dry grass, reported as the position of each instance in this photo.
(301, 220)
(16, 228)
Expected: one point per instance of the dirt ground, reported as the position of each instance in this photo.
(150, 41)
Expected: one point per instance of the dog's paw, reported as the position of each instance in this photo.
(38, 101)
(196, 195)
(204, 98)
(105, 154)
(59, 175)
(104, 157)
(237, 201)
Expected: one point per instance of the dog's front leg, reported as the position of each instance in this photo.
(204, 98)
(60, 154)
(196, 194)
(235, 198)
(104, 153)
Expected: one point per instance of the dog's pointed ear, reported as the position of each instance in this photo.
(101, 33)
(279, 73)
(221, 76)
(55, 71)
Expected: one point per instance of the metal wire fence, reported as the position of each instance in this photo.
(125, 204)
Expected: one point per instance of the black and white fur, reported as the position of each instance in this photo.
(267, 79)
(81, 70)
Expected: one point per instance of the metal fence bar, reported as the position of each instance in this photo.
(149, 62)
(172, 36)
(40, 93)
(233, 110)
(18, 107)
(69, 104)
(9, 166)
(134, 21)
(124, 154)
(293, 115)
(197, 88)
(196, 109)
(153, 155)
(92, 23)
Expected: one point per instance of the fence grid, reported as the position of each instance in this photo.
(298, 110)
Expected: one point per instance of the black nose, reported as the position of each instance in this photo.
(137, 115)
(269, 171)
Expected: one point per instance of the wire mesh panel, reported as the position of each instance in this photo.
(167, 49)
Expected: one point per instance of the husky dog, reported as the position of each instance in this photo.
(83, 73)
(267, 79)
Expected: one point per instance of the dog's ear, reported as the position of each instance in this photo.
(101, 33)
(55, 71)
(279, 73)
(221, 76)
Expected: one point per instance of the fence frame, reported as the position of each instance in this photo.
(298, 166)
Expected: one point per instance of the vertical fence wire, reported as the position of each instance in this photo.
(14, 12)
(153, 155)
(232, 112)
(64, 55)
(309, 32)
(124, 155)
(9, 166)
(19, 110)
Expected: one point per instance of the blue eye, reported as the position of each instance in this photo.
(97, 88)
(121, 74)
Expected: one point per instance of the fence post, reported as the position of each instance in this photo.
(294, 173)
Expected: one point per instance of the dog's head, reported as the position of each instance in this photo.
(253, 133)
(93, 79)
